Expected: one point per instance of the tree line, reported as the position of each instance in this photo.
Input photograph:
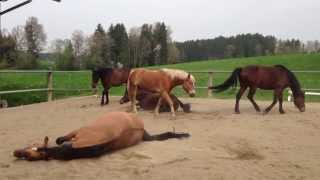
(146, 45)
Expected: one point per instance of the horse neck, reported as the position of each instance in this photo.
(54, 152)
(176, 82)
(295, 91)
(294, 84)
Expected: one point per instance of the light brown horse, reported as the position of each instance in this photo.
(113, 131)
(159, 81)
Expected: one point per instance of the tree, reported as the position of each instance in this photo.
(18, 33)
(99, 49)
(134, 51)
(78, 41)
(146, 46)
(35, 38)
(160, 37)
(8, 53)
(65, 59)
(120, 46)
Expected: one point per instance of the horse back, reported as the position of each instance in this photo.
(117, 129)
(264, 77)
(150, 80)
(119, 76)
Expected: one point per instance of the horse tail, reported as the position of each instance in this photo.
(164, 136)
(231, 81)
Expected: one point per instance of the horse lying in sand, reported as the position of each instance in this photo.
(159, 81)
(148, 101)
(113, 131)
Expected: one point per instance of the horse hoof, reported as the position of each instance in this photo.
(237, 112)
(282, 112)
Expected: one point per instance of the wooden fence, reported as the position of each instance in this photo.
(50, 89)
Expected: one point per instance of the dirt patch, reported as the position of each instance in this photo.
(223, 145)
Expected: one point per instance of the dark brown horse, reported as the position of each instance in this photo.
(113, 131)
(148, 101)
(109, 77)
(159, 81)
(275, 78)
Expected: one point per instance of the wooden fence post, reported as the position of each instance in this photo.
(210, 79)
(49, 83)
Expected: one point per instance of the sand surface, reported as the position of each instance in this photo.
(223, 145)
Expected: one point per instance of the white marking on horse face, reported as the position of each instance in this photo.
(34, 149)
(193, 91)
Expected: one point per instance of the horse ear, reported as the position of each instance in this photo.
(188, 76)
(45, 142)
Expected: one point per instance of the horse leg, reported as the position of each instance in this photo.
(125, 98)
(132, 92)
(274, 102)
(102, 97)
(169, 101)
(156, 110)
(251, 93)
(107, 96)
(238, 97)
(67, 137)
(280, 103)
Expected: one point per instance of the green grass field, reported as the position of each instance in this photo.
(307, 62)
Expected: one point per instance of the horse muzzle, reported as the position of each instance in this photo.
(303, 109)
(20, 154)
(192, 94)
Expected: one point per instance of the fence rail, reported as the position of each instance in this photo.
(50, 89)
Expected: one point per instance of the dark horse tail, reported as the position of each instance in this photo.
(164, 136)
(295, 85)
(231, 81)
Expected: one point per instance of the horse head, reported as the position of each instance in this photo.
(34, 152)
(189, 85)
(299, 101)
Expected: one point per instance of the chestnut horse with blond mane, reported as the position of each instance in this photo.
(159, 81)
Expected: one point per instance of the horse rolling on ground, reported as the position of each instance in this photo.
(159, 81)
(148, 101)
(109, 77)
(275, 78)
(113, 131)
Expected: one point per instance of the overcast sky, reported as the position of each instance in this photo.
(188, 19)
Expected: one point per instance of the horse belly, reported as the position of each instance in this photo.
(128, 138)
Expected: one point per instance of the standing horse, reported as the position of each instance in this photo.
(109, 77)
(275, 78)
(113, 131)
(159, 81)
(148, 101)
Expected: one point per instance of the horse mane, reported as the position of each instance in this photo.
(177, 73)
(295, 85)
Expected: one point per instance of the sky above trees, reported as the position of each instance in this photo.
(188, 19)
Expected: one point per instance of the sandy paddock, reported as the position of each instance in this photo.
(223, 145)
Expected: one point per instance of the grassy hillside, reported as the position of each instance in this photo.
(14, 81)
(297, 62)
